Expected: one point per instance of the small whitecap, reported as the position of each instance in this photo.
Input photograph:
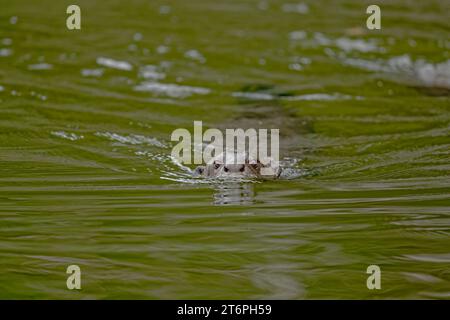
(2, 88)
(298, 63)
(114, 64)
(321, 39)
(92, 72)
(371, 65)
(298, 35)
(320, 97)
(137, 36)
(162, 49)
(426, 73)
(195, 55)
(348, 45)
(164, 9)
(263, 5)
(62, 57)
(305, 60)
(295, 67)
(301, 8)
(132, 47)
(433, 75)
(329, 52)
(131, 139)
(40, 66)
(412, 43)
(170, 90)
(5, 52)
(7, 41)
(400, 63)
(165, 65)
(429, 257)
(67, 135)
(13, 20)
(150, 72)
(253, 95)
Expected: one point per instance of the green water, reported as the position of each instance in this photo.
(86, 177)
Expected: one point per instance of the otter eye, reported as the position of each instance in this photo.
(242, 169)
(225, 169)
(216, 166)
(200, 170)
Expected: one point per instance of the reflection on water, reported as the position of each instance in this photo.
(233, 194)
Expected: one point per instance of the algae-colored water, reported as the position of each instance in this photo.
(86, 176)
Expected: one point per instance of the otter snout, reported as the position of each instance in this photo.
(234, 168)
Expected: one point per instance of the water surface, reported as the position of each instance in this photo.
(86, 176)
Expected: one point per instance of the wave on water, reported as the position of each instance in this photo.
(301, 8)
(5, 52)
(425, 73)
(195, 55)
(344, 43)
(171, 90)
(150, 72)
(253, 95)
(114, 64)
(92, 72)
(40, 66)
(323, 97)
(306, 97)
(131, 139)
(360, 45)
(67, 135)
(178, 172)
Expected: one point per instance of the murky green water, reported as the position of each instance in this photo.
(86, 177)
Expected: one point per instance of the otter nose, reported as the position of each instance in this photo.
(242, 168)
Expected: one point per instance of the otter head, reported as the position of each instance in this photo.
(249, 168)
(217, 168)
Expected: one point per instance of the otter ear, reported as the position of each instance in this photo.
(251, 161)
(255, 165)
(199, 170)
